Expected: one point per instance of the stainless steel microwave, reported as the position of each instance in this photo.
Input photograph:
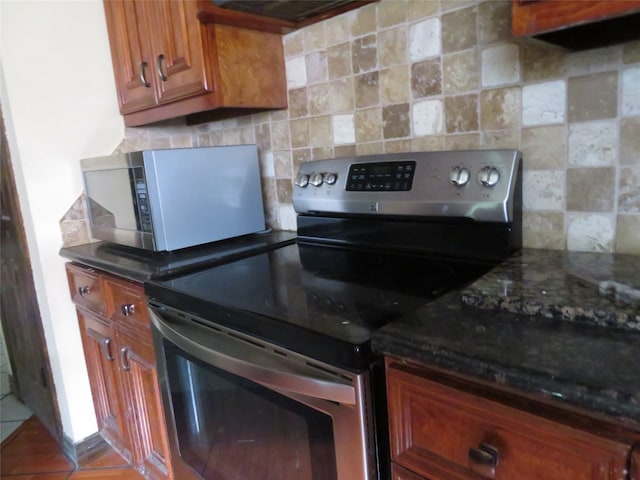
(165, 200)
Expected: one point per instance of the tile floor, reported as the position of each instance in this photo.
(12, 411)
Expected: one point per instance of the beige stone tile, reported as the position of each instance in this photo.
(631, 52)
(590, 232)
(543, 230)
(509, 139)
(594, 60)
(342, 151)
(393, 47)
(183, 141)
(270, 198)
(372, 148)
(425, 39)
(364, 54)
(284, 188)
(590, 189)
(300, 155)
(461, 72)
(469, 141)
(544, 103)
(494, 21)
(392, 12)
(428, 117)
(396, 121)
(341, 95)
(344, 130)
(368, 125)
(629, 190)
(314, 37)
(398, 146)
(367, 90)
(245, 120)
(461, 113)
(426, 78)
(280, 138)
(294, 43)
(267, 168)
(247, 135)
(541, 62)
(419, 9)
(279, 115)
(320, 153)
(216, 137)
(543, 190)
(453, 4)
(263, 136)
(593, 144)
(261, 117)
(432, 143)
(75, 232)
(363, 20)
(299, 132)
(394, 84)
(199, 140)
(628, 234)
(339, 60)
(544, 147)
(500, 64)
(282, 164)
(318, 99)
(166, 142)
(592, 97)
(337, 30)
(317, 71)
(500, 109)
(630, 104)
(459, 29)
(320, 132)
(630, 141)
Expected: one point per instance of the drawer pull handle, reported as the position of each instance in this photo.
(127, 310)
(124, 359)
(159, 62)
(143, 74)
(484, 460)
(84, 291)
(106, 347)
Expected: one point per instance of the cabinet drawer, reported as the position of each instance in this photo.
(85, 287)
(441, 433)
(126, 302)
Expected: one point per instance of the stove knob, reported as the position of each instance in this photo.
(316, 179)
(330, 178)
(459, 176)
(302, 180)
(489, 176)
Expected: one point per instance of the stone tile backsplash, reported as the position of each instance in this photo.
(402, 75)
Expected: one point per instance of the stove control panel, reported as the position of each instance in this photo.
(478, 184)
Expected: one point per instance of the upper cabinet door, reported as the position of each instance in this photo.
(176, 39)
(132, 61)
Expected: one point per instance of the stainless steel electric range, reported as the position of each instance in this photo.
(265, 363)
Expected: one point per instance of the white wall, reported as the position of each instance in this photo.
(59, 103)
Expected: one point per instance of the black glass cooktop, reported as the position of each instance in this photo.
(319, 300)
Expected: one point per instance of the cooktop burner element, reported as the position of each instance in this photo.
(378, 237)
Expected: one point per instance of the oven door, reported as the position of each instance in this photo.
(238, 408)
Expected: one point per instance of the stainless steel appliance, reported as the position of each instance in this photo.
(165, 200)
(265, 361)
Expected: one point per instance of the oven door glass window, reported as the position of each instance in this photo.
(231, 428)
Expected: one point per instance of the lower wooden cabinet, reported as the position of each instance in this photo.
(116, 338)
(440, 432)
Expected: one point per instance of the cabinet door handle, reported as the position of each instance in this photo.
(124, 359)
(84, 291)
(159, 62)
(143, 74)
(484, 460)
(106, 347)
(127, 310)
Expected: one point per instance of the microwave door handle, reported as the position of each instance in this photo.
(232, 355)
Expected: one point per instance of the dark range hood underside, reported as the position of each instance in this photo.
(290, 10)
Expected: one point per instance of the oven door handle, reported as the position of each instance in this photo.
(252, 362)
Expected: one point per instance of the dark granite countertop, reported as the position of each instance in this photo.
(536, 323)
(141, 265)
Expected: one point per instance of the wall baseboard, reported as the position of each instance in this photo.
(85, 451)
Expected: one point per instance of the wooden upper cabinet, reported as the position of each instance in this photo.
(577, 24)
(442, 433)
(167, 63)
